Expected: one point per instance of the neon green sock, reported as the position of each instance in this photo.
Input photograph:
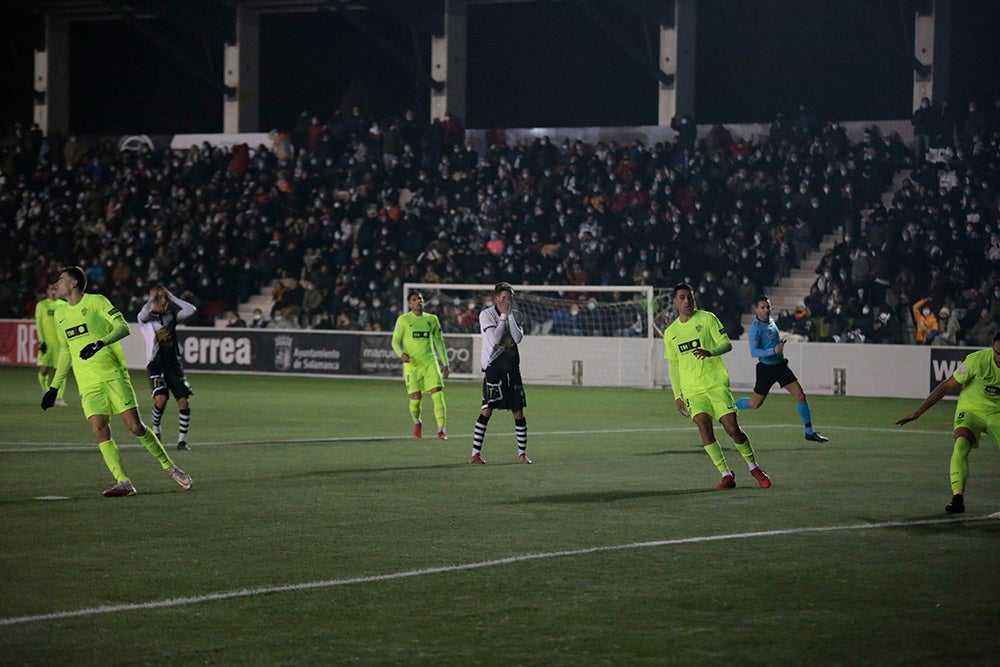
(113, 459)
(718, 458)
(152, 443)
(43, 381)
(415, 404)
(960, 464)
(746, 451)
(440, 409)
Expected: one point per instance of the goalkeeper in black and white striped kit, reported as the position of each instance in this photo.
(501, 363)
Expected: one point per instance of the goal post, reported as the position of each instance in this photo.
(594, 335)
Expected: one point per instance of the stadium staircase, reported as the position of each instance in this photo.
(792, 290)
(262, 300)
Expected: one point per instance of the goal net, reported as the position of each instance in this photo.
(575, 334)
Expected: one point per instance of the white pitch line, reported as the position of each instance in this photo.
(331, 583)
(25, 447)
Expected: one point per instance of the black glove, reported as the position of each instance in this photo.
(42, 347)
(90, 350)
(49, 399)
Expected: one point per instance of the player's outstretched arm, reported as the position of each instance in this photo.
(936, 395)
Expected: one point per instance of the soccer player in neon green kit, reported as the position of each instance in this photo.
(89, 329)
(977, 411)
(48, 342)
(694, 344)
(415, 338)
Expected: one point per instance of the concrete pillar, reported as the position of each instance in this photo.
(677, 58)
(51, 110)
(449, 62)
(932, 48)
(923, 50)
(241, 65)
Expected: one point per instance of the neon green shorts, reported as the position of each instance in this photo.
(423, 377)
(717, 403)
(108, 398)
(978, 422)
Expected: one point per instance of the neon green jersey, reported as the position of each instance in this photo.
(980, 380)
(45, 321)
(690, 375)
(419, 337)
(94, 318)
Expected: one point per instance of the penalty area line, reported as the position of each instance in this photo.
(332, 583)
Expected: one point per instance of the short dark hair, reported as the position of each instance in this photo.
(683, 285)
(996, 336)
(503, 287)
(761, 297)
(77, 274)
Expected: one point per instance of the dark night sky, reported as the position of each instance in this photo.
(530, 65)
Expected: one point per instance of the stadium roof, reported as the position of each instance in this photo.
(84, 10)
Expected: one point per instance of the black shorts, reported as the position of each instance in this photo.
(503, 390)
(167, 379)
(768, 374)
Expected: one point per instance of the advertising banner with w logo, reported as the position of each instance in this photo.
(944, 361)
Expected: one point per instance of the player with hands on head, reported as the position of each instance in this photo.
(90, 327)
(768, 348)
(694, 344)
(158, 320)
(415, 338)
(500, 359)
(977, 379)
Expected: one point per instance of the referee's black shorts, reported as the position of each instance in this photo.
(769, 374)
(503, 389)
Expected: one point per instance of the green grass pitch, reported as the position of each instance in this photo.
(319, 531)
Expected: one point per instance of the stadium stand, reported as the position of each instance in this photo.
(322, 228)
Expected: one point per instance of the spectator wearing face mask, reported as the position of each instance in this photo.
(925, 321)
(886, 329)
(948, 328)
(981, 333)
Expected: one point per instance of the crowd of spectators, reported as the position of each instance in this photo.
(338, 214)
(925, 269)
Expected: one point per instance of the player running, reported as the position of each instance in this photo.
(89, 328)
